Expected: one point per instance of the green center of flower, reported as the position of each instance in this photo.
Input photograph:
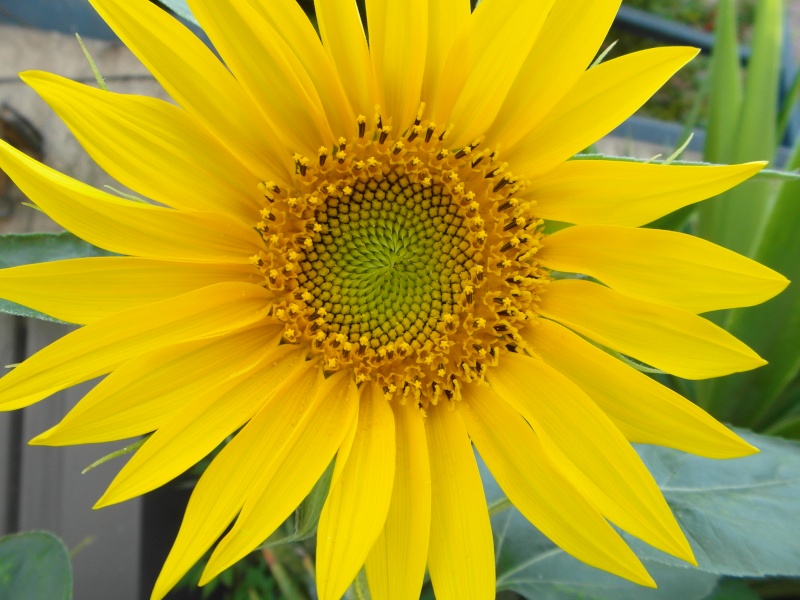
(390, 259)
(405, 261)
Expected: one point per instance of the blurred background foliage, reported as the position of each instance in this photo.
(678, 98)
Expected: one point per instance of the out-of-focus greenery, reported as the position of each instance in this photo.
(677, 100)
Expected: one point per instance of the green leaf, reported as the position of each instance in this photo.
(733, 589)
(25, 248)
(789, 428)
(303, 523)
(359, 590)
(736, 219)
(180, 8)
(531, 565)
(772, 329)
(12, 308)
(741, 517)
(34, 566)
(789, 103)
(725, 81)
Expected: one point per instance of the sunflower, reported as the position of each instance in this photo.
(345, 259)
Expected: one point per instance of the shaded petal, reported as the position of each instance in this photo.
(147, 391)
(491, 48)
(59, 288)
(269, 71)
(446, 19)
(343, 37)
(667, 338)
(662, 266)
(153, 147)
(602, 98)
(563, 50)
(461, 554)
(585, 446)
(398, 38)
(195, 78)
(604, 192)
(101, 347)
(355, 511)
(396, 564)
(125, 226)
(307, 448)
(645, 411)
(542, 494)
(202, 424)
(228, 481)
(289, 21)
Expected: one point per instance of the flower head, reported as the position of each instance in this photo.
(346, 260)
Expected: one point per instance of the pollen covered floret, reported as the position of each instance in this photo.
(405, 261)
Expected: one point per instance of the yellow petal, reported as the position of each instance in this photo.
(343, 453)
(198, 82)
(202, 424)
(589, 450)
(461, 554)
(667, 338)
(661, 266)
(343, 36)
(446, 19)
(602, 98)
(483, 64)
(603, 192)
(355, 511)
(307, 448)
(147, 391)
(59, 288)
(398, 37)
(542, 494)
(563, 50)
(645, 411)
(396, 563)
(101, 347)
(289, 21)
(269, 71)
(129, 227)
(224, 486)
(122, 133)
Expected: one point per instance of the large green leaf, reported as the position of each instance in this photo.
(530, 565)
(34, 566)
(25, 248)
(741, 516)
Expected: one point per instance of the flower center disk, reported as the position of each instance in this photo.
(409, 263)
